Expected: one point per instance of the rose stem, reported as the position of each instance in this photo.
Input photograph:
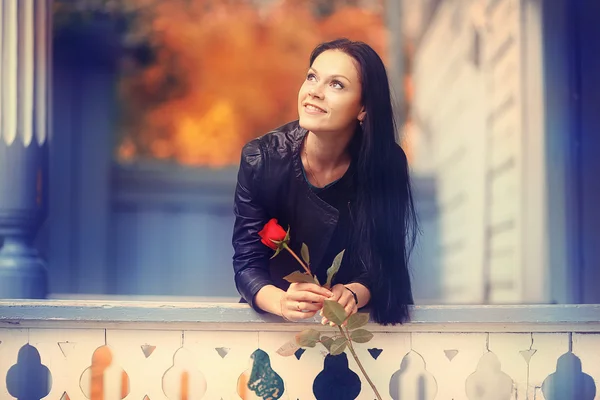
(358, 362)
(285, 246)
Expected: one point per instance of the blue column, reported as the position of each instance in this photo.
(25, 27)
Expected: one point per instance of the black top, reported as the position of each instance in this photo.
(272, 184)
(338, 197)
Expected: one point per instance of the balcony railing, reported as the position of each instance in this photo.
(148, 350)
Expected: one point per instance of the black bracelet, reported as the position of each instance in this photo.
(353, 294)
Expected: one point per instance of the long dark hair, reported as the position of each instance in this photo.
(384, 217)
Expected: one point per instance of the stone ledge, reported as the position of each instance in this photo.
(234, 316)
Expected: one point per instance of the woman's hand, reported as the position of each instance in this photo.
(345, 298)
(303, 300)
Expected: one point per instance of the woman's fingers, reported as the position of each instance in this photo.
(311, 287)
(297, 310)
(304, 305)
(346, 300)
(309, 297)
(306, 296)
(303, 300)
(350, 309)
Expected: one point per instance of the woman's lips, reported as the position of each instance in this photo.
(312, 109)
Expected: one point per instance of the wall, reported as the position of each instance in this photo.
(478, 97)
(449, 101)
(170, 231)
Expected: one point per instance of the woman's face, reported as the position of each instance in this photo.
(330, 97)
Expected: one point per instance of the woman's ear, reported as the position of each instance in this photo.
(361, 115)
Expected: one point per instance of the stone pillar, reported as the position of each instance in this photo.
(25, 27)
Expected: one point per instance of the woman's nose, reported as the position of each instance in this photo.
(315, 92)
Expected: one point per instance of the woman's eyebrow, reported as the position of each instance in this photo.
(332, 76)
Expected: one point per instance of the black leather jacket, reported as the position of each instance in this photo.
(271, 184)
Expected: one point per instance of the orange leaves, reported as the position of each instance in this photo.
(223, 73)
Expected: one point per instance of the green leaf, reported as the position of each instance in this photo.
(304, 253)
(308, 338)
(276, 252)
(333, 311)
(299, 277)
(327, 342)
(287, 236)
(338, 346)
(317, 280)
(357, 320)
(288, 349)
(361, 336)
(335, 266)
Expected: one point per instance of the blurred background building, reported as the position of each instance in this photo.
(502, 119)
(152, 101)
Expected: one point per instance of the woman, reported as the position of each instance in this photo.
(340, 181)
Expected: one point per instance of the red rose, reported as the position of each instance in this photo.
(272, 231)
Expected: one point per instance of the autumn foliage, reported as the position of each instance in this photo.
(223, 72)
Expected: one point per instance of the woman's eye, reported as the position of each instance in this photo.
(337, 84)
(311, 77)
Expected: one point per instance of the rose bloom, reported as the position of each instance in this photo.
(272, 231)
